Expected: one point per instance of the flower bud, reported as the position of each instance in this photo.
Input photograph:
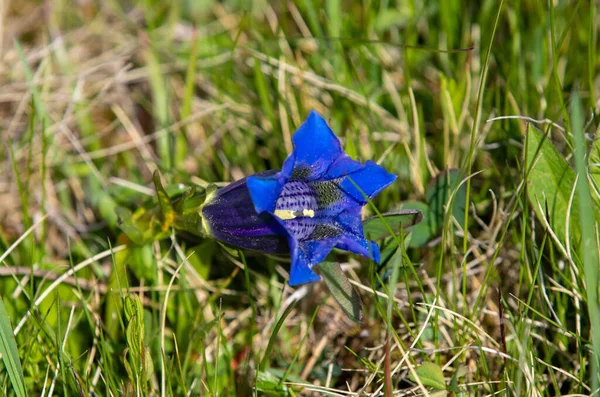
(229, 216)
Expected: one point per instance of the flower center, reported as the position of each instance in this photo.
(297, 205)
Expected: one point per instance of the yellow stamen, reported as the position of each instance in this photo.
(286, 215)
(308, 213)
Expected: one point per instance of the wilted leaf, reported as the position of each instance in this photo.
(342, 290)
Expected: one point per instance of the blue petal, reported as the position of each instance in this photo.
(353, 239)
(302, 273)
(362, 246)
(367, 181)
(305, 255)
(288, 166)
(350, 220)
(315, 148)
(343, 166)
(264, 191)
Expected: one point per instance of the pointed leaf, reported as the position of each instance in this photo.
(341, 289)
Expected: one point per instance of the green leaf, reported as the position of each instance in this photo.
(550, 182)
(438, 197)
(191, 201)
(431, 375)
(134, 313)
(266, 382)
(142, 262)
(127, 225)
(461, 371)
(191, 223)
(201, 256)
(163, 201)
(432, 214)
(342, 290)
(139, 360)
(422, 232)
(10, 353)
(377, 228)
(107, 206)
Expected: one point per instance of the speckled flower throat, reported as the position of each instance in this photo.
(300, 204)
(297, 206)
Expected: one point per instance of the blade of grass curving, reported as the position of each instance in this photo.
(357, 41)
(592, 40)
(10, 353)
(288, 310)
(390, 328)
(289, 368)
(313, 18)
(43, 174)
(252, 330)
(554, 49)
(29, 243)
(40, 108)
(589, 229)
(186, 107)
(471, 153)
(160, 106)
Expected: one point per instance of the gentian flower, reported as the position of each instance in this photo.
(309, 207)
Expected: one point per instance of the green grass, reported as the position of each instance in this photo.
(498, 296)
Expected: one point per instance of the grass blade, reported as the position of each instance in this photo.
(10, 353)
(589, 242)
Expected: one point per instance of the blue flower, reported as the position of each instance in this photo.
(309, 207)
